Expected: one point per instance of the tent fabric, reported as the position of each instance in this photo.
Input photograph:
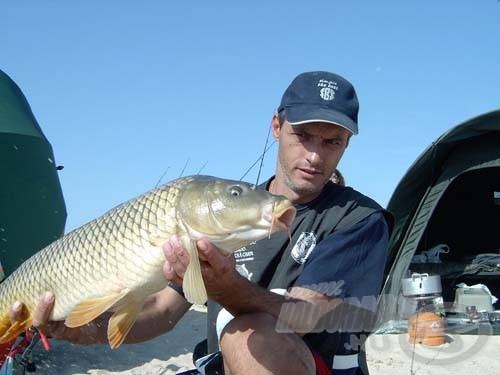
(15, 113)
(32, 209)
(421, 175)
(468, 147)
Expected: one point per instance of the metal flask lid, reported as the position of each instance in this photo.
(421, 284)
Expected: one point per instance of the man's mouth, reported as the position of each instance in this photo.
(310, 172)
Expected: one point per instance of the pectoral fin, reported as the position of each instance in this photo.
(86, 311)
(122, 320)
(192, 284)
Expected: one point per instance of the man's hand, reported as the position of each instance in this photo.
(40, 316)
(218, 270)
(87, 334)
(177, 260)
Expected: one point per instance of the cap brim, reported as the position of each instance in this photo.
(303, 114)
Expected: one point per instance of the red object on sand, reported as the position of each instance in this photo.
(4, 350)
(45, 341)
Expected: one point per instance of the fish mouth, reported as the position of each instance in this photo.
(282, 216)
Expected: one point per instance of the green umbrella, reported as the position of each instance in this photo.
(32, 209)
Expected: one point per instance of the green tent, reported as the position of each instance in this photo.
(32, 209)
(449, 198)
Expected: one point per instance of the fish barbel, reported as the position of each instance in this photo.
(115, 261)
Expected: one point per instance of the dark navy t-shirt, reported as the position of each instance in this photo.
(355, 255)
(352, 261)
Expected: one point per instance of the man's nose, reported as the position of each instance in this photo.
(313, 156)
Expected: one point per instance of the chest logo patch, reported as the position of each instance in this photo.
(243, 271)
(303, 247)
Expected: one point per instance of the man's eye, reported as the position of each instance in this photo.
(334, 142)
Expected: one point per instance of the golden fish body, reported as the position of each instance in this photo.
(115, 261)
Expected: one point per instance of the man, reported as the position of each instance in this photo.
(337, 253)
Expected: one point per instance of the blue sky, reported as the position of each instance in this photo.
(126, 90)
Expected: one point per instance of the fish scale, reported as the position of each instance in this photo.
(102, 238)
(116, 260)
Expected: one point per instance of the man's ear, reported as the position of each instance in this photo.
(276, 127)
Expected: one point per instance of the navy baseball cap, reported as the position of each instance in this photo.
(321, 97)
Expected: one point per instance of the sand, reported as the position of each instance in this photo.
(171, 352)
(463, 354)
(164, 355)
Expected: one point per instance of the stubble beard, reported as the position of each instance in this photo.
(299, 189)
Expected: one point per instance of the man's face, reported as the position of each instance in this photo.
(308, 154)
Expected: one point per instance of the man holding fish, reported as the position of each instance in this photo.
(335, 251)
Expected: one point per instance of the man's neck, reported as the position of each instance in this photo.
(278, 187)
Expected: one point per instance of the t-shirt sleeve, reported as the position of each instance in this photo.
(353, 259)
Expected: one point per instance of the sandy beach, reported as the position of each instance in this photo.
(171, 352)
(164, 355)
(463, 354)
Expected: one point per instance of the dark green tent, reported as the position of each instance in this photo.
(450, 195)
(32, 209)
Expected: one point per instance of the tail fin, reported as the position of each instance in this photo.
(9, 331)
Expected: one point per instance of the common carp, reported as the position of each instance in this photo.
(115, 261)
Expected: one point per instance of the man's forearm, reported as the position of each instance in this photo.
(294, 315)
(245, 297)
(161, 313)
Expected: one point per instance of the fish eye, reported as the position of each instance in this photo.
(235, 190)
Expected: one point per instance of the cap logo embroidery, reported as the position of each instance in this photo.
(328, 89)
